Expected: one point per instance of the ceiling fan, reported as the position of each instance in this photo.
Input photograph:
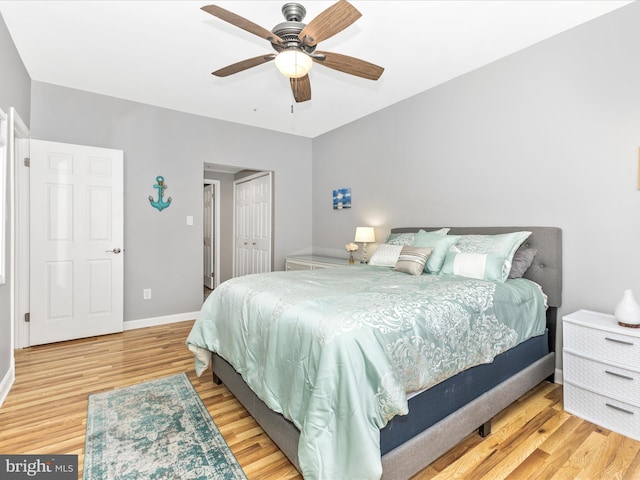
(296, 44)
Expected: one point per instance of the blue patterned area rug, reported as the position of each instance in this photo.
(155, 430)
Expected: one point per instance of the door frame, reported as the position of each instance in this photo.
(19, 212)
(216, 229)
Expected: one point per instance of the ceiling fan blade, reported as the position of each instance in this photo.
(301, 88)
(244, 65)
(329, 22)
(347, 64)
(241, 22)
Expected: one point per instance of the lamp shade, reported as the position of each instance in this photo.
(293, 63)
(365, 235)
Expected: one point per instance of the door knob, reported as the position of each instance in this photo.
(115, 250)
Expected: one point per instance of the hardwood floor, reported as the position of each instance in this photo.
(45, 412)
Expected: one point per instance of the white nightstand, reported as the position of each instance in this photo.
(601, 371)
(313, 262)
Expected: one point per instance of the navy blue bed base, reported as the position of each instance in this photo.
(434, 404)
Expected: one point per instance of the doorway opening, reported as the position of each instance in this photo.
(211, 235)
(225, 217)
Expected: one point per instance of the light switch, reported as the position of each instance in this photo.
(189, 220)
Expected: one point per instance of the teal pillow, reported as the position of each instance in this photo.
(501, 246)
(440, 244)
(429, 237)
(401, 238)
(408, 238)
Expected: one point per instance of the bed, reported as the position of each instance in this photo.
(412, 431)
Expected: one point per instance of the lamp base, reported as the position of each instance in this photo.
(364, 253)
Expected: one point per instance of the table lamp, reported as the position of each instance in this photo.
(365, 235)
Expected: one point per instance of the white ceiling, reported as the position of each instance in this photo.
(163, 52)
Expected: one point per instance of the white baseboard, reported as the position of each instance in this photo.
(7, 381)
(153, 321)
(10, 377)
(558, 376)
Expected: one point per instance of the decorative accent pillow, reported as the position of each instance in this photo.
(401, 238)
(522, 260)
(412, 260)
(386, 255)
(408, 238)
(441, 245)
(502, 246)
(483, 266)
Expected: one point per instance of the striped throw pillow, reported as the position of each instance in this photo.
(412, 259)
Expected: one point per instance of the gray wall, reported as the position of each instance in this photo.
(16, 82)
(547, 136)
(14, 92)
(162, 252)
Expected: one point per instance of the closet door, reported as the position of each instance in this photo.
(252, 224)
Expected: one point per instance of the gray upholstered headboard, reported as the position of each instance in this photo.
(546, 269)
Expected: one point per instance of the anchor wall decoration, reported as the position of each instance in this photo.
(160, 204)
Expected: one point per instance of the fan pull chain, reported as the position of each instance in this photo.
(295, 92)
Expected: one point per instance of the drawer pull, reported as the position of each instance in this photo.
(615, 374)
(615, 407)
(618, 341)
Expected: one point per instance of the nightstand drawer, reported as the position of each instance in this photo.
(615, 381)
(313, 262)
(602, 344)
(297, 266)
(611, 414)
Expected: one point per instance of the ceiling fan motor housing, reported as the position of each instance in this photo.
(293, 12)
(288, 31)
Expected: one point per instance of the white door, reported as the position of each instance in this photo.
(242, 225)
(261, 224)
(252, 224)
(77, 235)
(209, 236)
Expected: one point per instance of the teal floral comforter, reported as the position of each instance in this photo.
(336, 351)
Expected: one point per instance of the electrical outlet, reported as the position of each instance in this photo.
(146, 293)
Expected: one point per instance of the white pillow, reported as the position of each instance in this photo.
(483, 266)
(386, 255)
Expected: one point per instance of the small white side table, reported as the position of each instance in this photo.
(601, 371)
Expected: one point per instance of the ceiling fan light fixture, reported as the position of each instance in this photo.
(293, 63)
